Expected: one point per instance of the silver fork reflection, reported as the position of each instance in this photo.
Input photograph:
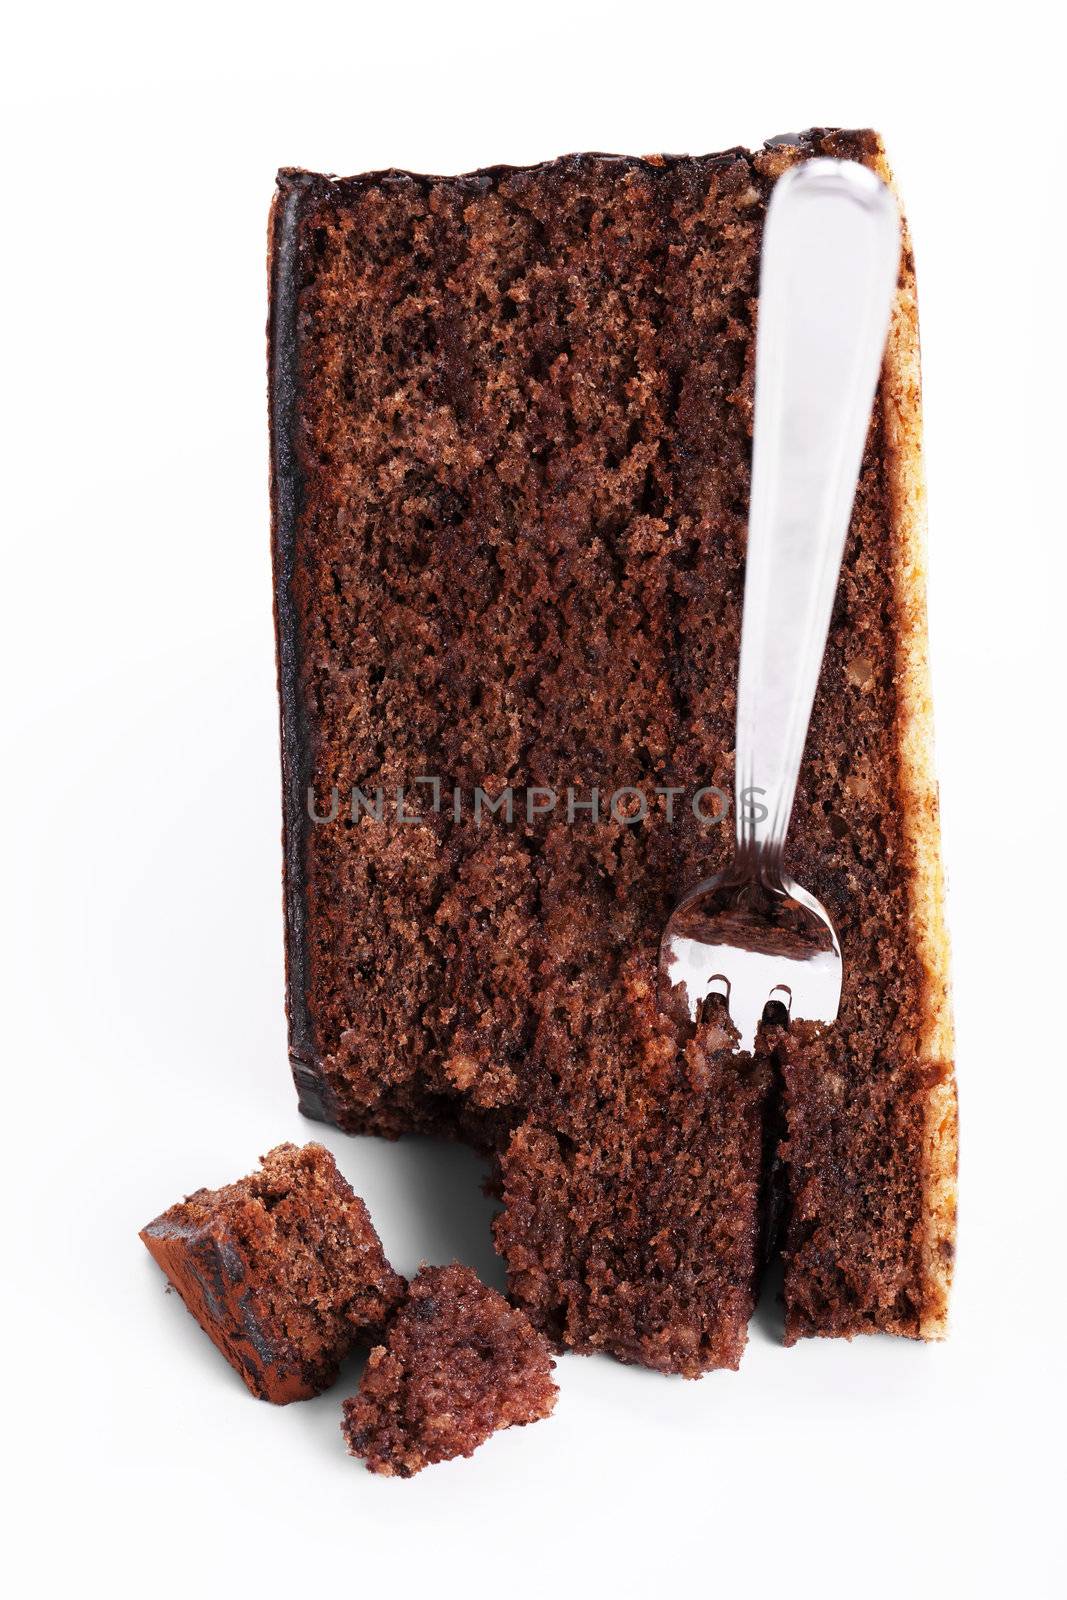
(831, 253)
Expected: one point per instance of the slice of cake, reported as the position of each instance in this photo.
(458, 1364)
(283, 1270)
(511, 432)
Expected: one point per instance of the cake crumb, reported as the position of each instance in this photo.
(458, 1364)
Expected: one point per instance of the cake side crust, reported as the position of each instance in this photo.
(902, 412)
(285, 504)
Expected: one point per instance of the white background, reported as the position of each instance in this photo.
(143, 1032)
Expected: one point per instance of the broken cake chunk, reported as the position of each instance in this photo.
(283, 1270)
(458, 1364)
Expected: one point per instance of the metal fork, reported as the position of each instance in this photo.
(828, 271)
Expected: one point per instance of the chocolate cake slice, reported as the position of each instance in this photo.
(458, 1364)
(511, 431)
(283, 1270)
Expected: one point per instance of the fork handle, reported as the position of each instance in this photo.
(828, 271)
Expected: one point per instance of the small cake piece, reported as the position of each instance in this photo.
(458, 1364)
(283, 1270)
